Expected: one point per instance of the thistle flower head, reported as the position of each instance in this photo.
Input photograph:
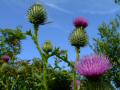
(37, 14)
(47, 47)
(93, 66)
(78, 38)
(5, 58)
(80, 22)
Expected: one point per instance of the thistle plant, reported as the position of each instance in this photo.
(78, 39)
(37, 16)
(93, 68)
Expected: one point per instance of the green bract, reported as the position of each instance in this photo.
(37, 14)
(78, 38)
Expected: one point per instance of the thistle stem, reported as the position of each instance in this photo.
(74, 80)
(45, 74)
(74, 73)
(77, 53)
(35, 39)
(7, 85)
(13, 84)
(36, 30)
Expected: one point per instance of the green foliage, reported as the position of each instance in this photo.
(108, 43)
(95, 84)
(59, 80)
(25, 76)
(10, 42)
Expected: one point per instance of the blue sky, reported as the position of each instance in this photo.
(62, 14)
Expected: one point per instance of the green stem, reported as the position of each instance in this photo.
(74, 80)
(44, 66)
(77, 53)
(74, 70)
(7, 88)
(36, 30)
(35, 39)
(45, 74)
(13, 84)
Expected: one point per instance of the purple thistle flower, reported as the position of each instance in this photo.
(80, 22)
(93, 66)
(5, 58)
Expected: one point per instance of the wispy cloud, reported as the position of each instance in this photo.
(58, 8)
(97, 9)
(112, 11)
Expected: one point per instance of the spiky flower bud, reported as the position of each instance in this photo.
(47, 47)
(78, 38)
(37, 14)
(5, 58)
(80, 22)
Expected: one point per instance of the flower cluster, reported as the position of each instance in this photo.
(93, 66)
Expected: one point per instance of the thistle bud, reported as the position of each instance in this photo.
(47, 47)
(37, 14)
(78, 38)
